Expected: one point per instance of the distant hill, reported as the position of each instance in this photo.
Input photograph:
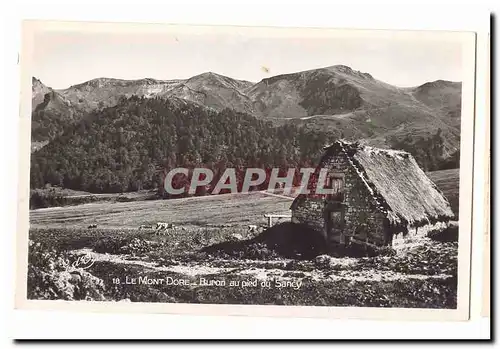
(215, 91)
(445, 96)
(208, 89)
(362, 107)
(53, 109)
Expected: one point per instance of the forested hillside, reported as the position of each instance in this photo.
(127, 147)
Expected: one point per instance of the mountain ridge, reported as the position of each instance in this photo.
(335, 98)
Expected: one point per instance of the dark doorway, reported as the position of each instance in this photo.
(335, 224)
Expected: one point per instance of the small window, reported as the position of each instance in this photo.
(335, 181)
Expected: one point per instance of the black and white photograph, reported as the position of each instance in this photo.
(247, 166)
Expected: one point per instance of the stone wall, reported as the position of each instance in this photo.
(362, 220)
(310, 212)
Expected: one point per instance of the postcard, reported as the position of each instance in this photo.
(246, 170)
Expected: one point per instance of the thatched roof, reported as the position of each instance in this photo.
(402, 191)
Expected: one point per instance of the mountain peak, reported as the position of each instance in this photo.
(327, 71)
(348, 70)
(341, 68)
(438, 84)
(37, 82)
(39, 89)
(208, 75)
(214, 79)
(98, 83)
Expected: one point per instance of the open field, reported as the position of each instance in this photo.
(228, 209)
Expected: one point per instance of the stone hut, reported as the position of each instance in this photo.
(377, 194)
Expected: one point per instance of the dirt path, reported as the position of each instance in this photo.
(269, 269)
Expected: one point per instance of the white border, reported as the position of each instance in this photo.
(374, 17)
(30, 28)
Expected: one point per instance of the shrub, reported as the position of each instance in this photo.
(51, 276)
(258, 251)
(112, 245)
(138, 246)
(129, 245)
(43, 199)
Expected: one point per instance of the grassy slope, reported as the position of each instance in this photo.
(448, 181)
(208, 210)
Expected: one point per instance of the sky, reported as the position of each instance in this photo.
(65, 58)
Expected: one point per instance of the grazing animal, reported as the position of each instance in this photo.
(252, 228)
(92, 226)
(144, 227)
(162, 227)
